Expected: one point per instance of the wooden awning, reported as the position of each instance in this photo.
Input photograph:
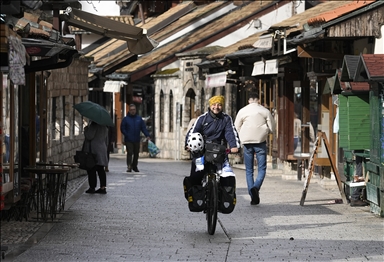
(136, 38)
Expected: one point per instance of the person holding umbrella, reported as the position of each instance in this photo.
(96, 139)
(96, 142)
(130, 127)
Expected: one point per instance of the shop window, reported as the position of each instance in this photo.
(171, 111)
(190, 103)
(10, 143)
(74, 129)
(65, 123)
(6, 120)
(161, 111)
(55, 124)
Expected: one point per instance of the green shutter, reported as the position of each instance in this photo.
(355, 122)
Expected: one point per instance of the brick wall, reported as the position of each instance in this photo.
(67, 86)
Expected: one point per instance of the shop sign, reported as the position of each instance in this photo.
(265, 42)
(33, 50)
(258, 68)
(113, 86)
(271, 66)
(216, 80)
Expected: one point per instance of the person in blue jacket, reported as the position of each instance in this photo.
(130, 127)
(217, 127)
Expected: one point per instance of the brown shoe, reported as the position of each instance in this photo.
(129, 170)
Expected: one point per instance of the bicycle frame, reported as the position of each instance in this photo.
(212, 179)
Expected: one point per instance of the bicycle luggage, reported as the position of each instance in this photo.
(227, 199)
(215, 153)
(186, 185)
(196, 198)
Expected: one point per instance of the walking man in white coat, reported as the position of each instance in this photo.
(253, 123)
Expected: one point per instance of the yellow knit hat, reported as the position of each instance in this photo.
(217, 100)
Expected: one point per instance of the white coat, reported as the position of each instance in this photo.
(253, 123)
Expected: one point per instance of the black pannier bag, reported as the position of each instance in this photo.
(227, 199)
(196, 198)
(186, 185)
(215, 153)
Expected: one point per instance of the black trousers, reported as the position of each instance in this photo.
(92, 179)
(133, 149)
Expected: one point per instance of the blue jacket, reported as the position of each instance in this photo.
(131, 126)
(215, 128)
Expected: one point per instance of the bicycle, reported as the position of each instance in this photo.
(205, 197)
(214, 156)
(212, 180)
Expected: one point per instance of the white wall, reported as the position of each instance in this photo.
(101, 8)
(379, 43)
(274, 17)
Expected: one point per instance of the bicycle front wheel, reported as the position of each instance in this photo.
(212, 205)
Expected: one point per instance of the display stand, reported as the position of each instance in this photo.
(321, 136)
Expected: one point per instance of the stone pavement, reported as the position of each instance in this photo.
(14, 233)
(144, 217)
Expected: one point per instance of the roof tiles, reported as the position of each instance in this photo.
(340, 11)
(374, 64)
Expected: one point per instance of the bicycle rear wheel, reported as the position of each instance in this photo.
(212, 205)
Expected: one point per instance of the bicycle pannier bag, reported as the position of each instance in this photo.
(227, 199)
(215, 153)
(196, 198)
(186, 185)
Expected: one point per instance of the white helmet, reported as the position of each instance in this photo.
(195, 142)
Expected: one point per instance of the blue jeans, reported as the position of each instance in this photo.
(260, 149)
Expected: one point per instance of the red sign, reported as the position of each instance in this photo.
(33, 50)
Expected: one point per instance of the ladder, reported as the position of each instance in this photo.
(311, 165)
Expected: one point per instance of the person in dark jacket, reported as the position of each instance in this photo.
(130, 127)
(96, 138)
(215, 126)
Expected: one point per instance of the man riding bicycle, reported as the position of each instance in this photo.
(215, 127)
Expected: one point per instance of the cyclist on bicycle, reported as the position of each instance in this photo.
(216, 127)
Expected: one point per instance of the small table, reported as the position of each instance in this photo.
(51, 189)
(63, 188)
(300, 158)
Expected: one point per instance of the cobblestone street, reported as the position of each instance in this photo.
(144, 217)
